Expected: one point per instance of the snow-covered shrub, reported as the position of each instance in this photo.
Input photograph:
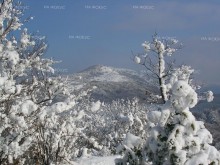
(132, 149)
(105, 128)
(128, 117)
(58, 131)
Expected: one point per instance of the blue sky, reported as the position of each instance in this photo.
(82, 33)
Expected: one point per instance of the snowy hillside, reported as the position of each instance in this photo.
(110, 83)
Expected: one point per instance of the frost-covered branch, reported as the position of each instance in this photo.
(154, 61)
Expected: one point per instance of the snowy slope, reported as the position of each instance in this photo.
(108, 160)
(111, 83)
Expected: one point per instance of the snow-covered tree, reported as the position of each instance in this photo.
(175, 136)
(28, 93)
(154, 60)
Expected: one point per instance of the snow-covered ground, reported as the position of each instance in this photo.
(109, 160)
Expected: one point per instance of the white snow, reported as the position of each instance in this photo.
(129, 119)
(160, 46)
(183, 95)
(153, 116)
(170, 51)
(1, 47)
(209, 96)
(27, 107)
(109, 75)
(12, 56)
(137, 60)
(2, 81)
(95, 106)
(164, 117)
(108, 160)
(132, 141)
(181, 88)
(146, 46)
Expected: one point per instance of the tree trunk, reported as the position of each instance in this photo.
(161, 77)
(162, 91)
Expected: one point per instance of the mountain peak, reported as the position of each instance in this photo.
(94, 67)
(112, 83)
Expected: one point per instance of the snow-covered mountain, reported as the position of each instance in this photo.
(111, 83)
